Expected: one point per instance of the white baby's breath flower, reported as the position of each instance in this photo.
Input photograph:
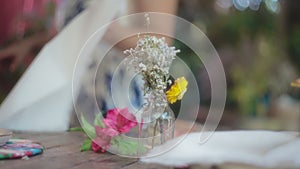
(152, 58)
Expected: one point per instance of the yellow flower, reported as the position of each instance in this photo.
(296, 83)
(177, 90)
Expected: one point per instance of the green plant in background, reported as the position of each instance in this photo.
(260, 47)
(253, 80)
(232, 28)
(256, 37)
(293, 45)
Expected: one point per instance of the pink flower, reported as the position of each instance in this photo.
(102, 141)
(117, 121)
(120, 120)
(96, 148)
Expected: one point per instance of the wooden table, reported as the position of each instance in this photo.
(62, 151)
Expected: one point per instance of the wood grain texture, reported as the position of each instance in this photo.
(62, 151)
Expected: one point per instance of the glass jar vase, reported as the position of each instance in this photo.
(156, 128)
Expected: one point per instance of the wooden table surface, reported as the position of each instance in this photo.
(62, 151)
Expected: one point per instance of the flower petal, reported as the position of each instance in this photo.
(106, 131)
(100, 144)
(296, 83)
(120, 120)
(177, 90)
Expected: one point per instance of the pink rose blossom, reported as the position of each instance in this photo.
(96, 148)
(117, 121)
(102, 141)
(120, 120)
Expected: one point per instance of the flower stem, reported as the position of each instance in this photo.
(154, 132)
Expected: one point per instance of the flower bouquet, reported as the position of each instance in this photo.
(153, 123)
(151, 59)
(108, 132)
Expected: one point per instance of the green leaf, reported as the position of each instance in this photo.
(76, 129)
(126, 146)
(98, 120)
(87, 145)
(88, 128)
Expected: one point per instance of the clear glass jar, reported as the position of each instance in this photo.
(159, 129)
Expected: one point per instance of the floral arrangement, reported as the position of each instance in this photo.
(151, 58)
(108, 132)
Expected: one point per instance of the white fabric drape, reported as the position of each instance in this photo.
(266, 149)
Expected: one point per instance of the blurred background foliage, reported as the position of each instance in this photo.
(258, 43)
